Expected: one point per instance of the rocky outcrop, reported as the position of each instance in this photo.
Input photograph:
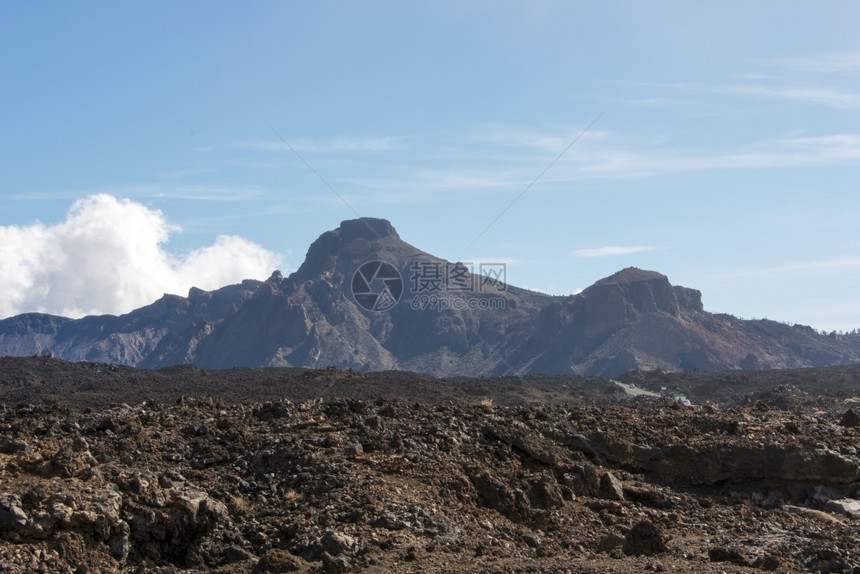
(340, 485)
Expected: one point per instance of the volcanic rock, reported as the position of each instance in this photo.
(850, 419)
(644, 539)
(345, 484)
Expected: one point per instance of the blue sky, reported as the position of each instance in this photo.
(726, 151)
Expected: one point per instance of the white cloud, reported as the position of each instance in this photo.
(611, 251)
(109, 256)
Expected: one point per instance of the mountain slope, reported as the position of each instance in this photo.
(312, 317)
(365, 299)
(125, 339)
(636, 319)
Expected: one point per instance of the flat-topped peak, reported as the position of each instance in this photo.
(632, 275)
(366, 228)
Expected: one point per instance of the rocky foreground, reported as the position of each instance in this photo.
(341, 485)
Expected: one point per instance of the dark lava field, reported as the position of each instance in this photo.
(106, 468)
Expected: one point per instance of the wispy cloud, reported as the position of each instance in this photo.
(828, 97)
(201, 192)
(797, 269)
(837, 63)
(701, 96)
(452, 179)
(848, 142)
(367, 144)
(503, 159)
(662, 102)
(507, 168)
(621, 163)
(182, 173)
(550, 141)
(840, 263)
(518, 137)
(611, 251)
(428, 185)
(197, 192)
(336, 145)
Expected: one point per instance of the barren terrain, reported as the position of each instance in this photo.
(106, 469)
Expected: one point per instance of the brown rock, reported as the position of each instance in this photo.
(494, 493)
(722, 554)
(610, 487)
(610, 542)
(276, 560)
(850, 419)
(644, 539)
(768, 563)
(583, 479)
(546, 493)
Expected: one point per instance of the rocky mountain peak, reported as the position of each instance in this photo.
(369, 228)
(651, 291)
(632, 275)
(354, 240)
(643, 290)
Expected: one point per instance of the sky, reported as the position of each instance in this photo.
(150, 147)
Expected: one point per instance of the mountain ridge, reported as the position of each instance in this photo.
(419, 312)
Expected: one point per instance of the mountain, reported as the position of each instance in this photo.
(128, 339)
(637, 320)
(367, 300)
